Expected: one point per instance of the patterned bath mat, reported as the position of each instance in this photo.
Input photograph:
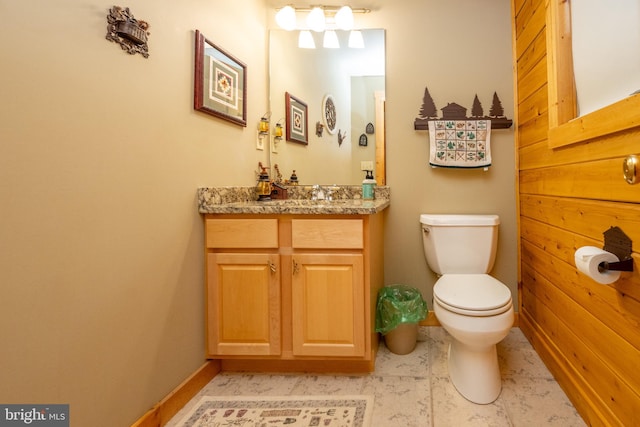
(307, 411)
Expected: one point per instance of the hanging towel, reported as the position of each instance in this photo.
(460, 143)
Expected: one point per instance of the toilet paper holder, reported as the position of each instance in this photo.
(618, 243)
(624, 265)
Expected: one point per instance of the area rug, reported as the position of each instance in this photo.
(267, 411)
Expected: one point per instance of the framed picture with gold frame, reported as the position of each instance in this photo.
(220, 87)
(296, 118)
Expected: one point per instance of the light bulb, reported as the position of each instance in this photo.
(315, 19)
(344, 18)
(286, 18)
(355, 39)
(305, 40)
(330, 40)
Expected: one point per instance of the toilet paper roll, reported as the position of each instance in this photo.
(589, 257)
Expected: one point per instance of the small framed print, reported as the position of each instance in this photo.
(296, 118)
(363, 140)
(220, 87)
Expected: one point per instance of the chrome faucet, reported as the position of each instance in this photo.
(317, 193)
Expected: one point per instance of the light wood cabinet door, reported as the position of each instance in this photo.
(327, 294)
(243, 304)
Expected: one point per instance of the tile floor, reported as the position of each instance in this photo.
(414, 390)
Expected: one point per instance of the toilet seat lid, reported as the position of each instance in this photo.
(473, 292)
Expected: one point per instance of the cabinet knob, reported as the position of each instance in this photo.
(273, 267)
(296, 267)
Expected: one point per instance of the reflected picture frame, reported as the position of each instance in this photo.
(220, 83)
(296, 120)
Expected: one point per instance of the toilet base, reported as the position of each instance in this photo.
(475, 372)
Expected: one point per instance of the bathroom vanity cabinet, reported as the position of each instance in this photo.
(293, 291)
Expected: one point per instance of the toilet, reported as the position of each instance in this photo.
(473, 307)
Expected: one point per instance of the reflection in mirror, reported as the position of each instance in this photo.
(606, 62)
(564, 127)
(355, 79)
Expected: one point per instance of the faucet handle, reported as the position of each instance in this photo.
(328, 193)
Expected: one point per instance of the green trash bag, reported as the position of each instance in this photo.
(399, 304)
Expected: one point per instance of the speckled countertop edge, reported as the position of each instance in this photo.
(346, 200)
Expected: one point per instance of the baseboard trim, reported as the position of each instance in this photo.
(163, 411)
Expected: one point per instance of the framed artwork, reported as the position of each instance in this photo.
(363, 141)
(329, 113)
(296, 117)
(220, 87)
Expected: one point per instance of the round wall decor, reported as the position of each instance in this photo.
(329, 113)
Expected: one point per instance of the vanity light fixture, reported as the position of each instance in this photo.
(355, 39)
(316, 20)
(305, 40)
(321, 18)
(344, 18)
(286, 18)
(330, 40)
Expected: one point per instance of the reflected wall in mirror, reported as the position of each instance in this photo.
(565, 126)
(354, 78)
(606, 62)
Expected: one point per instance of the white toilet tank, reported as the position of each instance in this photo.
(463, 244)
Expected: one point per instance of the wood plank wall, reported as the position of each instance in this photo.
(588, 334)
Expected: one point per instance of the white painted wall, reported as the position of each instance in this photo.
(101, 152)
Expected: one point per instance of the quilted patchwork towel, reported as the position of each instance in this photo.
(460, 143)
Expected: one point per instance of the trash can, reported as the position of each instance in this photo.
(399, 309)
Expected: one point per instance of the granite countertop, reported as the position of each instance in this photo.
(346, 200)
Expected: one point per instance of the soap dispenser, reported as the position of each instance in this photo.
(368, 186)
(263, 187)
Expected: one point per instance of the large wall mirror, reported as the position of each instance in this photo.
(354, 78)
(613, 110)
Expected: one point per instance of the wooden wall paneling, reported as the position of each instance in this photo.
(617, 145)
(599, 180)
(532, 81)
(571, 333)
(602, 301)
(586, 217)
(516, 6)
(533, 107)
(532, 54)
(598, 387)
(570, 190)
(528, 23)
(573, 385)
(532, 132)
(563, 243)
